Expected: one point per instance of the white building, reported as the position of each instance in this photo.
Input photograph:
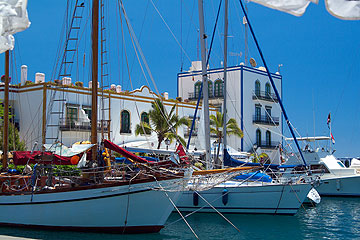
(67, 113)
(250, 100)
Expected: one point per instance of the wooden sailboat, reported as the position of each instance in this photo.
(119, 200)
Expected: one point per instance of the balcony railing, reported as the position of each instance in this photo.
(266, 120)
(67, 124)
(195, 96)
(265, 96)
(267, 144)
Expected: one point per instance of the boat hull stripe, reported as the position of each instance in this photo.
(76, 200)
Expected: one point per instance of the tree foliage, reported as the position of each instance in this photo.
(163, 123)
(15, 144)
(217, 126)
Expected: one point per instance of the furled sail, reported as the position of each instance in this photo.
(13, 19)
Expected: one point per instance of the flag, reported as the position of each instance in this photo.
(13, 19)
(329, 120)
(294, 7)
(332, 138)
(344, 9)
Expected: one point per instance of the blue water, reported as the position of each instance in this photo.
(333, 218)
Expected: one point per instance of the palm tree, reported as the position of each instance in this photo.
(162, 123)
(216, 127)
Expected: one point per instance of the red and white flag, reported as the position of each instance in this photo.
(332, 138)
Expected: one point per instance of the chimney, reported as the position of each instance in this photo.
(24, 70)
(66, 81)
(39, 77)
(166, 95)
(118, 88)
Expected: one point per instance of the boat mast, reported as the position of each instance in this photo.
(225, 77)
(205, 104)
(6, 112)
(94, 78)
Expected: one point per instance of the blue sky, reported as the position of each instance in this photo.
(320, 55)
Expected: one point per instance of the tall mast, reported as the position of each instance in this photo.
(6, 112)
(205, 84)
(225, 73)
(94, 78)
(246, 38)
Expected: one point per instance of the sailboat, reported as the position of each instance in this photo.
(284, 197)
(110, 199)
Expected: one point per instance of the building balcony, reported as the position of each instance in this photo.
(194, 96)
(80, 125)
(266, 120)
(267, 144)
(270, 97)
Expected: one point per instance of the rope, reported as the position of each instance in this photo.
(186, 222)
(218, 212)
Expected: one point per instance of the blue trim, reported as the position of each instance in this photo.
(177, 86)
(242, 106)
(230, 69)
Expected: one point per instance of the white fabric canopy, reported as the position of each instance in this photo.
(64, 151)
(344, 9)
(13, 19)
(294, 7)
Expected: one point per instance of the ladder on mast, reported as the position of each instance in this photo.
(55, 118)
(104, 77)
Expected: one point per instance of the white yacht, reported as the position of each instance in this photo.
(247, 197)
(335, 178)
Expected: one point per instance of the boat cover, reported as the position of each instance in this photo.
(254, 176)
(24, 157)
(231, 162)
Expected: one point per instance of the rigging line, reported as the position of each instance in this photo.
(279, 127)
(130, 80)
(218, 211)
(134, 41)
(141, 31)
(191, 22)
(181, 38)
(207, 62)
(273, 84)
(167, 26)
(244, 128)
(177, 209)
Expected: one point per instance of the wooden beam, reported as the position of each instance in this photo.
(44, 117)
(94, 79)
(6, 113)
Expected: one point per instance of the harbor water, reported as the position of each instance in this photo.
(333, 218)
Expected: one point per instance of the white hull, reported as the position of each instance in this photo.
(123, 209)
(339, 186)
(251, 198)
